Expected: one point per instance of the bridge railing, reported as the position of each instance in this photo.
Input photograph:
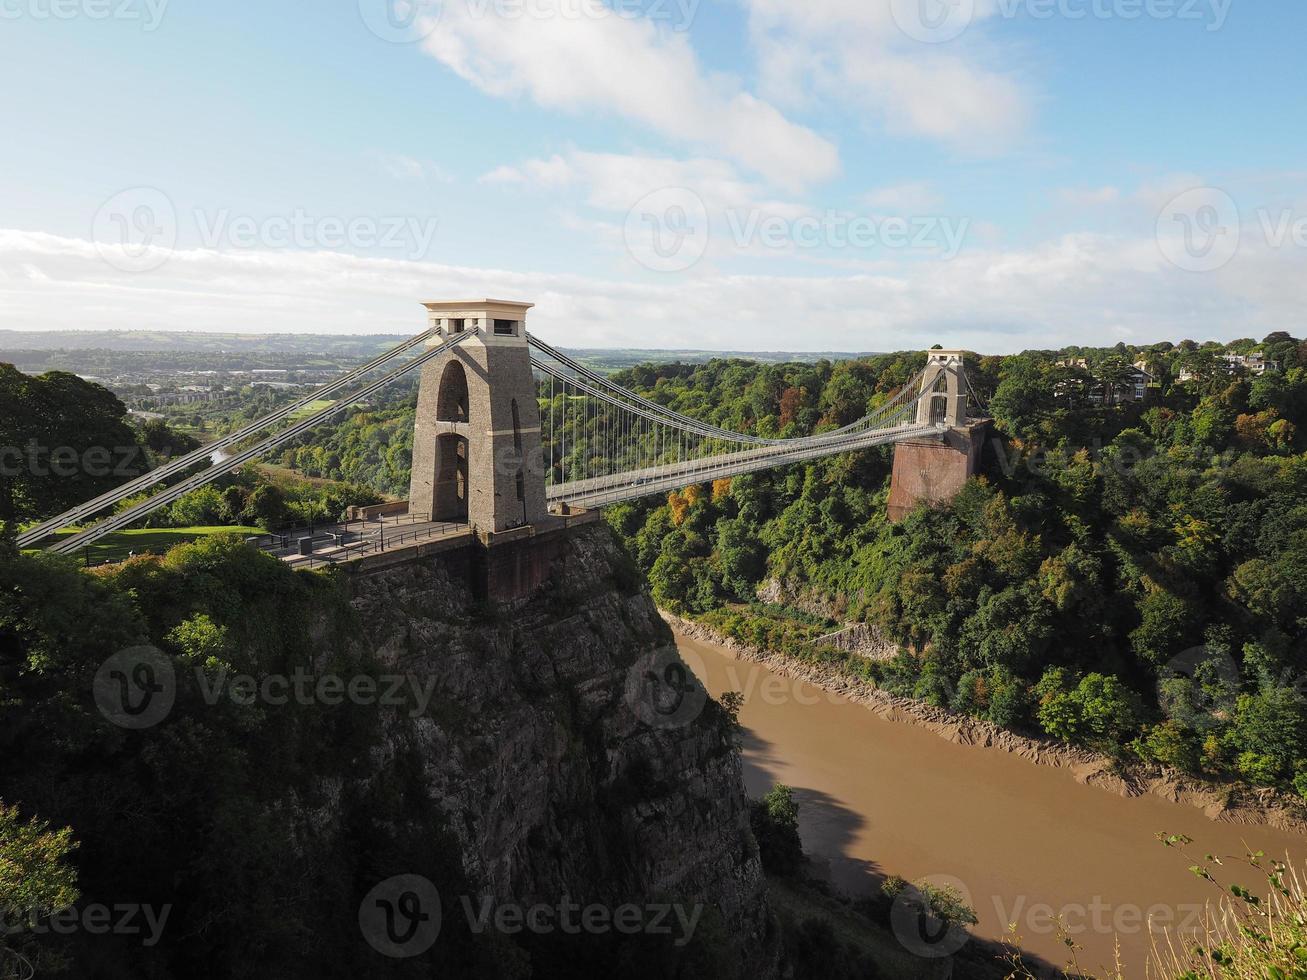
(382, 540)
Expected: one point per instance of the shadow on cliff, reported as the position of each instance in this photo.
(828, 828)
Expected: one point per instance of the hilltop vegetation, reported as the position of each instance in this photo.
(1132, 576)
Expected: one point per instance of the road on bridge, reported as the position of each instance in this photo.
(600, 490)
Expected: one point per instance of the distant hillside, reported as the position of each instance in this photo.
(174, 341)
(619, 359)
(71, 350)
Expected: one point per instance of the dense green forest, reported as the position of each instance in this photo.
(1129, 575)
(372, 447)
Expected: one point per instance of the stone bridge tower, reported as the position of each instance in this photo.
(933, 468)
(476, 443)
(944, 388)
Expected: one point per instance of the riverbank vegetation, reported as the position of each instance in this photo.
(1128, 573)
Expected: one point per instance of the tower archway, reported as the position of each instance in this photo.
(939, 400)
(452, 404)
(451, 483)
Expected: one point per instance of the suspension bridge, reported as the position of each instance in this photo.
(511, 431)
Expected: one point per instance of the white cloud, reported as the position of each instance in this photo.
(1089, 197)
(854, 52)
(913, 197)
(629, 67)
(553, 172)
(616, 181)
(1076, 288)
(403, 167)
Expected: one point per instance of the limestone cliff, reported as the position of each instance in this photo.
(275, 827)
(551, 782)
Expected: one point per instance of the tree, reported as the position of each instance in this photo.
(846, 397)
(1071, 579)
(741, 558)
(36, 878)
(1108, 709)
(64, 441)
(266, 507)
(792, 399)
(1114, 374)
(1023, 397)
(164, 441)
(1208, 373)
(1270, 732)
(1169, 624)
(1171, 744)
(1056, 709)
(775, 821)
(199, 508)
(1099, 708)
(1010, 629)
(1269, 590)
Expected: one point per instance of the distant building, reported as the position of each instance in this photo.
(1141, 379)
(1133, 387)
(1255, 364)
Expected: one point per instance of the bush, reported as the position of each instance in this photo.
(199, 508)
(266, 507)
(1170, 744)
(1258, 768)
(775, 820)
(1099, 709)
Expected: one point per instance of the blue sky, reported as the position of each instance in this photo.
(836, 174)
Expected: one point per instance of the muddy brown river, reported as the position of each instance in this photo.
(1026, 842)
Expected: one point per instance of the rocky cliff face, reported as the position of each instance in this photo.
(516, 807)
(540, 748)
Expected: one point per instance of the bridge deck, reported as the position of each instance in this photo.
(597, 491)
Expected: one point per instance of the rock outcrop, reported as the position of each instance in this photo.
(537, 750)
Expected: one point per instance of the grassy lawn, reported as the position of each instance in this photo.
(310, 408)
(283, 474)
(156, 540)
